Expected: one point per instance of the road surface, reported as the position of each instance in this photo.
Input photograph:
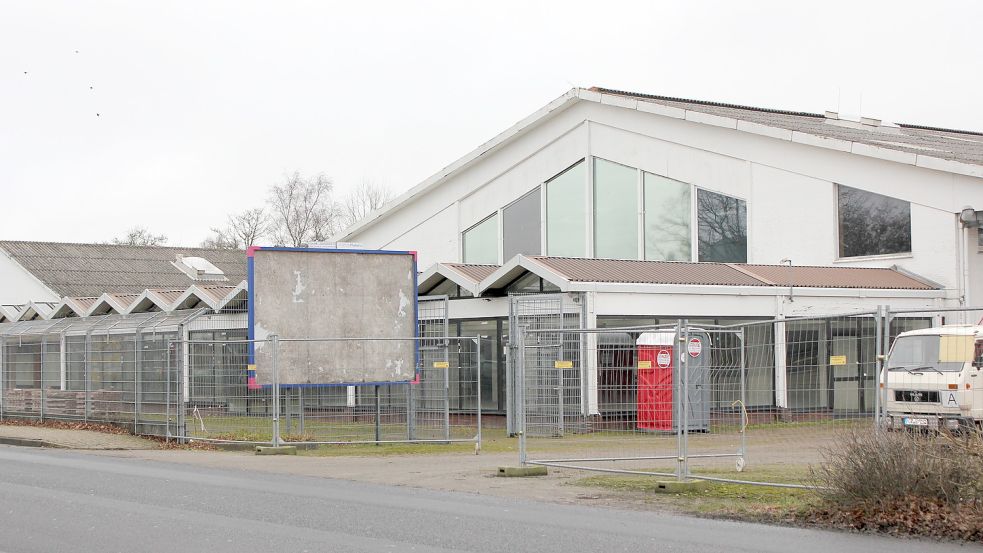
(58, 501)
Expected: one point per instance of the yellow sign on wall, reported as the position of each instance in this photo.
(563, 364)
(645, 364)
(441, 365)
(837, 359)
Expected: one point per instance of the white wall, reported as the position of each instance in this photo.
(790, 189)
(17, 286)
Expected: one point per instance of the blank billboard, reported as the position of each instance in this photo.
(342, 316)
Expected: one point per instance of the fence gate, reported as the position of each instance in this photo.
(428, 403)
(552, 390)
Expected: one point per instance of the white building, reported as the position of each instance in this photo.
(640, 209)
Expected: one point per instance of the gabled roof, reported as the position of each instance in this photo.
(37, 310)
(9, 313)
(72, 307)
(78, 270)
(950, 150)
(467, 276)
(572, 274)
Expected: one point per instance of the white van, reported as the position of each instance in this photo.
(934, 379)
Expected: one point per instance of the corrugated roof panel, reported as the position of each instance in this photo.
(837, 277)
(729, 274)
(92, 269)
(647, 272)
(477, 273)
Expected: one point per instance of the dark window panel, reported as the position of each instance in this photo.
(872, 224)
(721, 227)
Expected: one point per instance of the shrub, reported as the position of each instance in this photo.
(869, 470)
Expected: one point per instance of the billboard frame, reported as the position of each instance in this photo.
(251, 315)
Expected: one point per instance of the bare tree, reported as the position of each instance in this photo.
(302, 210)
(140, 236)
(241, 230)
(364, 199)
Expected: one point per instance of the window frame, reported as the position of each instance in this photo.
(498, 238)
(837, 249)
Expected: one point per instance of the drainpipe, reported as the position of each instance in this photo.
(968, 219)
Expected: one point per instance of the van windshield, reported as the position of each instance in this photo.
(922, 353)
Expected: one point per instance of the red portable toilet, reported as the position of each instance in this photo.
(654, 385)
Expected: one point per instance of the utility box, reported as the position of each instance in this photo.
(658, 379)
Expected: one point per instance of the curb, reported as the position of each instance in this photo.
(28, 442)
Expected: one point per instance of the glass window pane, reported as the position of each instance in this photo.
(446, 287)
(521, 226)
(872, 224)
(667, 219)
(529, 283)
(721, 227)
(566, 213)
(615, 210)
(481, 242)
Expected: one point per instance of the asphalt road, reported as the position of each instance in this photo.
(53, 501)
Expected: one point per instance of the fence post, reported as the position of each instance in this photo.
(168, 344)
(411, 410)
(478, 387)
(3, 372)
(447, 389)
(885, 348)
(44, 342)
(878, 366)
(276, 391)
(743, 412)
(676, 400)
(684, 351)
(520, 391)
(87, 374)
(378, 417)
(137, 377)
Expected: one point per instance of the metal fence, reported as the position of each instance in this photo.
(441, 405)
(183, 375)
(751, 402)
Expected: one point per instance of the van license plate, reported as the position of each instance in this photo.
(910, 421)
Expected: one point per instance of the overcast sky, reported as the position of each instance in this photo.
(203, 105)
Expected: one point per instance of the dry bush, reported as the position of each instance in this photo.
(870, 470)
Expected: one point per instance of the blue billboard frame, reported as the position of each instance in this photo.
(251, 315)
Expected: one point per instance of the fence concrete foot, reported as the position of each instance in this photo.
(282, 450)
(675, 486)
(532, 470)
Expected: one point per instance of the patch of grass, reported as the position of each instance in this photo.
(738, 501)
(494, 441)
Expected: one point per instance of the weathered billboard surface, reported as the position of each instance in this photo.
(342, 316)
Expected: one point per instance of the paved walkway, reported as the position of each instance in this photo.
(40, 436)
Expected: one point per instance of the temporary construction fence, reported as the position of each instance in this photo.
(441, 405)
(183, 375)
(752, 402)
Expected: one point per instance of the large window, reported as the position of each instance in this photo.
(722, 227)
(872, 224)
(615, 210)
(481, 242)
(566, 213)
(667, 219)
(521, 226)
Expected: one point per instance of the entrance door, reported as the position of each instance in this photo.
(847, 385)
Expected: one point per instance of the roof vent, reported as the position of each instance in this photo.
(198, 268)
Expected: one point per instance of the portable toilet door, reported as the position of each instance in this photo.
(657, 379)
(698, 351)
(654, 382)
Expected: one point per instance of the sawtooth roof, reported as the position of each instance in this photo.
(89, 270)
